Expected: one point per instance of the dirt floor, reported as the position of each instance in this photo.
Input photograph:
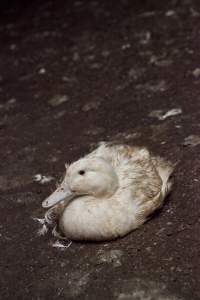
(73, 73)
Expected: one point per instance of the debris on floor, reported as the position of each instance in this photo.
(196, 73)
(42, 179)
(58, 100)
(154, 87)
(192, 140)
(160, 115)
(110, 256)
(61, 245)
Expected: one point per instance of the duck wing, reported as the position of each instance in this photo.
(140, 174)
(116, 154)
(146, 176)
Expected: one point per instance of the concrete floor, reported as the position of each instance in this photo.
(73, 73)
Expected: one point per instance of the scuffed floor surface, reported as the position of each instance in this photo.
(73, 73)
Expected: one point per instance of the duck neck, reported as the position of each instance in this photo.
(108, 192)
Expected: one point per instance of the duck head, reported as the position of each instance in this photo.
(88, 176)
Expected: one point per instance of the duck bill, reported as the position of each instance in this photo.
(61, 194)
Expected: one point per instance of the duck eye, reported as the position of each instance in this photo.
(81, 172)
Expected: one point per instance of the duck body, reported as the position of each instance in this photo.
(113, 190)
(90, 219)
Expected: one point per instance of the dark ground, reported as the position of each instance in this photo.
(111, 63)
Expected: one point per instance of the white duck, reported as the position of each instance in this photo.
(109, 192)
